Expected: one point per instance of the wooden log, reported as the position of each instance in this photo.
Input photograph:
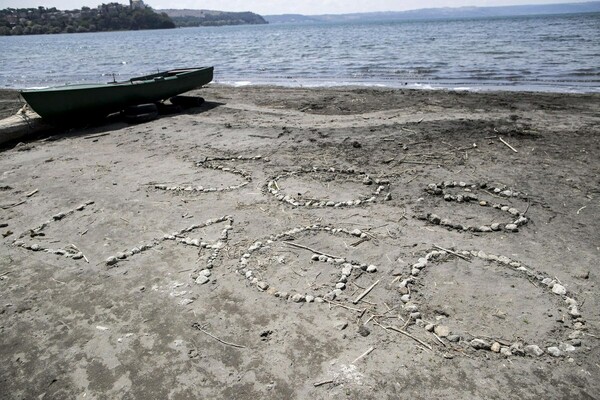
(24, 123)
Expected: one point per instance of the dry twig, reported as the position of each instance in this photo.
(410, 336)
(197, 326)
(452, 252)
(366, 292)
(309, 249)
(343, 306)
(366, 353)
(509, 146)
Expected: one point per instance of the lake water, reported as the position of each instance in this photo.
(545, 53)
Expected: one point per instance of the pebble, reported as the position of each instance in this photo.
(511, 228)
(430, 327)
(298, 298)
(559, 289)
(415, 315)
(548, 281)
(570, 301)
(578, 326)
(480, 344)
(442, 331)
(505, 351)
(58, 216)
(363, 331)
(566, 347)
(517, 349)
(347, 270)
(262, 286)
(309, 298)
(453, 338)
(340, 285)
(554, 351)
(496, 347)
(111, 260)
(434, 219)
(504, 260)
(356, 232)
(371, 268)
(405, 298)
(201, 280)
(495, 227)
(534, 350)
(35, 247)
(575, 335)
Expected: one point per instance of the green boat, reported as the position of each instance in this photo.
(93, 101)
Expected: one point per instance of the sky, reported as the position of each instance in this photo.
(267, 7)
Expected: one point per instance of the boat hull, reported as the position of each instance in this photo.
(79, 102)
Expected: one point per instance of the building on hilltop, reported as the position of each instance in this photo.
(136, 4)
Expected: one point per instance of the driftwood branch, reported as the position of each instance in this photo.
(410, 336)
(366, 292)
(366, 353)
(508, 145)
(309, 249)
(197, 326)
(452, 252)
(343, 306)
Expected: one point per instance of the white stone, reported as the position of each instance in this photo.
(554, 351)
(574, 312)
(480, 344)
(559, 289)
(298, 298)
(534, 350)
(566, 347)
(442, 331)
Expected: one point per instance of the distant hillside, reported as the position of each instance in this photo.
(442, 13)
(106, 17)
(185, 18)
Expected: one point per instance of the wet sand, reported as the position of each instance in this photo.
(307, 243)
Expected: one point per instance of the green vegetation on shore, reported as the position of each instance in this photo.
(106, 17)
(187, 18)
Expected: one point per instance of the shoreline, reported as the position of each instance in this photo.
(11, 101)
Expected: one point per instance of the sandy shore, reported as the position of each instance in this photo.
(223, 252)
